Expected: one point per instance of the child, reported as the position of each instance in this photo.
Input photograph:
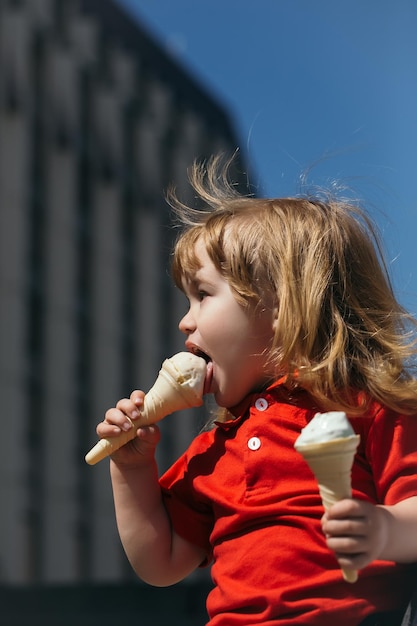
(293, 311)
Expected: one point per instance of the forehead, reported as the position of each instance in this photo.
(205, 276)
(185, 262)
(205, 238)
(187, 253)
(198, 263)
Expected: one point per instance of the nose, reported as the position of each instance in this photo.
(187, 323)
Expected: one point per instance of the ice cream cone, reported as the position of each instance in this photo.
(179, 385)
(331, 463)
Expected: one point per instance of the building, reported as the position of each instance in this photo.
(95, 122)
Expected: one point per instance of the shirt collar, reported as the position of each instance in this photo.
(240, 411)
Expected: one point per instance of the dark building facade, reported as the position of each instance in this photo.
(95, 122)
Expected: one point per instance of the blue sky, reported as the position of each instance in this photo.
(324, 86)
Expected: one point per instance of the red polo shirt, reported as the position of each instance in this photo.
(247, 497)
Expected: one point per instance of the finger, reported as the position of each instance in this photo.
(354, 561)
(345, 508)
(118, 418)
(355, 526)
(126, 406)
(149, 433)
(137, 397)
(105, 429)
(146, 437)
(346, 545)
(351, 554)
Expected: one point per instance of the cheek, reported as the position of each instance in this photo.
(235, 338)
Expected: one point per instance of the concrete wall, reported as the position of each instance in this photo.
(95, 122)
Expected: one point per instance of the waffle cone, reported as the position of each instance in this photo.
(167, 396)
(171, 392)
(331, 463)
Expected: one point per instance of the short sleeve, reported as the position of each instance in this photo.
(391, 449)
(191, 518)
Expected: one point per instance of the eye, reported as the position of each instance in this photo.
(202, 294)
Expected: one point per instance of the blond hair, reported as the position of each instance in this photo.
(340, 332)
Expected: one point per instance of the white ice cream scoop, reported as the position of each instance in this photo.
(325, 427)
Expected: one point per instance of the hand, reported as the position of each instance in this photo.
(141, 449)
(356, 531)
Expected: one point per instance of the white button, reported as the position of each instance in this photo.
(261, 404)
(254, 443)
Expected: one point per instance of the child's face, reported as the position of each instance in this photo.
(235, 339)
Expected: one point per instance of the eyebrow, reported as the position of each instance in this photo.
(193, 281)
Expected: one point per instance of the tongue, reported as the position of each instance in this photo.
(209, 378)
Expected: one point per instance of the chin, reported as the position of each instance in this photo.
(227, 402)
(221, 401)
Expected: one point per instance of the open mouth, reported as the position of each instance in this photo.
(202, 354)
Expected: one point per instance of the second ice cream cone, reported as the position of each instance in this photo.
(331, 463)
